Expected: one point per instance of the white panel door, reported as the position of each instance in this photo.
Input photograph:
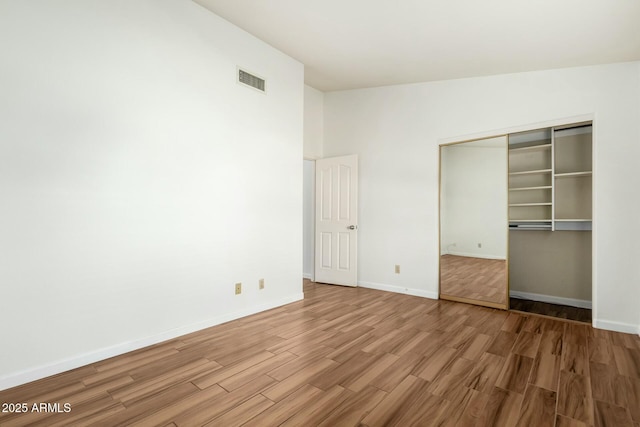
(337, 220)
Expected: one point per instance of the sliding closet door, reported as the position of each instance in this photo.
(474, 223)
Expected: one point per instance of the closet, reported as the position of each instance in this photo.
(548, 183)
(550, 219)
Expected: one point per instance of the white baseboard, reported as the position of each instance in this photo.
(60, 366)
(399, 289)
(611, 325)
(307, 276)
(551, 299)
(475, 255)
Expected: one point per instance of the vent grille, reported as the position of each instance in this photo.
(251, 80)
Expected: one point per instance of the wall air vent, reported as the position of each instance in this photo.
(251, 80)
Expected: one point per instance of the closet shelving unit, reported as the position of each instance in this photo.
(573, 178)
(531, 181)
(550, 179)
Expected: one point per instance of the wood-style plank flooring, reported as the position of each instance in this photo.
(474, 278)
(358, 357)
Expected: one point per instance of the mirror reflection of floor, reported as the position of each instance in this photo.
(475, 278)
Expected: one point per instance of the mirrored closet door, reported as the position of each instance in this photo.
(474, 222)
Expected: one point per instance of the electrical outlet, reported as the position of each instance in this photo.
(397, 269)
(261, 284)
(238, 288)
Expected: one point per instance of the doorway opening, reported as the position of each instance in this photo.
(308, 219)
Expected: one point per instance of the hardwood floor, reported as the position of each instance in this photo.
(474, 278)
(553, 310)
(358, 357)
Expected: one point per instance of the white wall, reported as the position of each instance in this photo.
(474, 199)
(551, 266)
(313, 123)
(138, 180)
(308, 218)
(395, 131)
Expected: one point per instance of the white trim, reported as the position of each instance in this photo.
(399, 289)
(54, 368)
(612, 325)
(594, 218)
(307, 276)
(475, 255)
(551, 299)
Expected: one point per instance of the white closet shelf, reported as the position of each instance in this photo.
(542, 187)
(530, 204)
(573, 220)
(530, 172)
(568, 174)
(530, 220)
(531, 148)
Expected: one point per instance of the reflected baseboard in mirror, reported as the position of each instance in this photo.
(478, 279)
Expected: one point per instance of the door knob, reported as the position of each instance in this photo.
(352, 227)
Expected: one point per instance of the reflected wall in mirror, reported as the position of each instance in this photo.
(474, 222)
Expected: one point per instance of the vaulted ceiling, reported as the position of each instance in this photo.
(347, 44)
